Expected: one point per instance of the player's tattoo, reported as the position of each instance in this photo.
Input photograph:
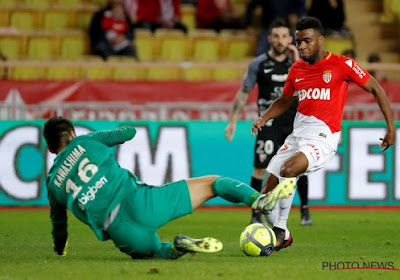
(239, 103)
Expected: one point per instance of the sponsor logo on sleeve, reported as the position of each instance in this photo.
(356, 68)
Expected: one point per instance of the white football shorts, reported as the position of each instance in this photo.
(318, 152)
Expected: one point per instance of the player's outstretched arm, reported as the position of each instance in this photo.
(277, 108)
(58, 216)
(379, 93)
(115, 136)
(238, 105)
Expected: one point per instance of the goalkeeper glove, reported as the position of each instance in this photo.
(61, 250)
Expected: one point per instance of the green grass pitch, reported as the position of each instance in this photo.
(336, 236)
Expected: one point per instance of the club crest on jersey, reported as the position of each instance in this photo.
(263, 157)
(327, 76)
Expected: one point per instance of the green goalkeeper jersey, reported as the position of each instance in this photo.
(86, 179)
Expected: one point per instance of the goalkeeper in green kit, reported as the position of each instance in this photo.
(86, 179)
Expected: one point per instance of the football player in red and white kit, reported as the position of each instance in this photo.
(319, 81)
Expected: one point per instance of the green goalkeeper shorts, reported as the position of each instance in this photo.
(143, 212)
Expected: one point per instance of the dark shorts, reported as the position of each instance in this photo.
(269, 139)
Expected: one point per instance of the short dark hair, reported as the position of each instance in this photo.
(278, 22)
(349, 53)
(310, 22)
(374, 57)
(57, 131)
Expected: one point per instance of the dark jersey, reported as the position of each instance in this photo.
(270, 75)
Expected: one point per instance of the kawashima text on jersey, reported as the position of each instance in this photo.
(321, 88)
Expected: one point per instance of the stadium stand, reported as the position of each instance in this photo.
(63, 73)
(4, 16)
(42, 47)
(56, 20)
(73, 45)
(96, 71)
(391, 11)
(38, 3)
(83, 16)
(57, 29)
(28, 72)
(205, 45)
(164, 73)
(173, 45)
(24, 19)
(7, 3)
(196, 72)
(188, 16)
(338, 45)
(68, 3)
(11, 45)
(127, 70)
(145, 44)
(236, 45)
(374, 32)
(226, 73)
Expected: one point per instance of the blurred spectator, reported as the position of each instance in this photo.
(154, 14)
(272, 9)
(147, 13)
(331, 14)
(111, 31)
(291, 10)
(350, 53)
(379, 75)
(217, 15)
(131, 7)
(171, 16)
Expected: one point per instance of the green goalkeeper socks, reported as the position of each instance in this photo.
(169, 252)
(234, 190)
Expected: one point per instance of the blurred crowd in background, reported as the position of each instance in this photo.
(174, 31)
(112, 26)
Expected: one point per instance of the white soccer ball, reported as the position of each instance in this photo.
(257, 240)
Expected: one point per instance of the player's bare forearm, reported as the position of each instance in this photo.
(58, 217)
(381, 98)
(238, 104)
(277, 108)
(384, 105)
